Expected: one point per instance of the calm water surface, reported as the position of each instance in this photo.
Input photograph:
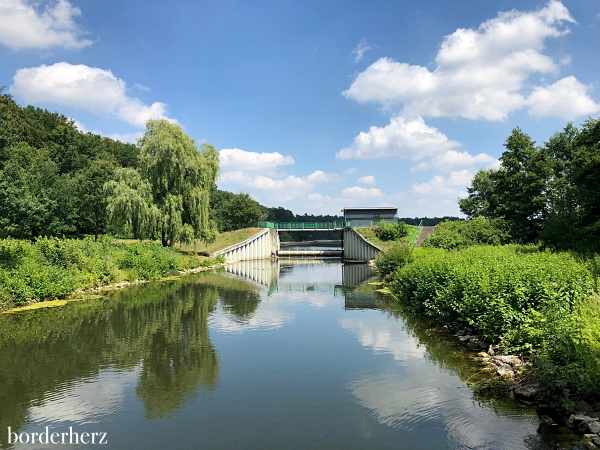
(268, 355)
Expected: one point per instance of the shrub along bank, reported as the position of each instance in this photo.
(51, 268)
(538, 304)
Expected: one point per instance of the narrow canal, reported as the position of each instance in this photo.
(278, 355)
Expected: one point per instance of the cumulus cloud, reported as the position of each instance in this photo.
(367, 179)
(412, 139)
(359, 51)
(90, 88)
(455, 184)
(452, 159)
(237, 159)
(480, 73)
(567, 98)
(361, 192)
(283, 189)
(26, 24)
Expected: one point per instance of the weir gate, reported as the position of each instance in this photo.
(266, 244)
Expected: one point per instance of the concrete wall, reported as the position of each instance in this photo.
(263, 244)
(358, 248)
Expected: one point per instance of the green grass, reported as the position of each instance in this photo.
(224, 240)
(369, 234)
(52, 268)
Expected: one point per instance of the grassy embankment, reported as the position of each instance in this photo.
(539, 304)
(369, 234)
(52, 268)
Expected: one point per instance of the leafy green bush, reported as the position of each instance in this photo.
(498, 290)
(390, 231)
(529, 301)
(398, 255)
(54, 268)
(461, 234)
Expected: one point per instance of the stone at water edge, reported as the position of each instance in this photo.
(576, 419)
(584, 426)
(505, 370)
(527, 392)
(582, 407)
(594, 427)
(514, 361)
(588, 441)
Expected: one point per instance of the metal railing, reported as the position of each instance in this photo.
(416, 235)
(299, 226)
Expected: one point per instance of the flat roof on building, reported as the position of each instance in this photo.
(354, 208)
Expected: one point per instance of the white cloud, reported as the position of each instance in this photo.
(26, 24)
(367, 179)
(236, 159)
(479, 74)
(126, 137)
(282, 189)
(361, 192)
(567, 98)
(350, 171)
(455, 184)
(359, 51)
(79, 86)
(412, 139)
(452, 159)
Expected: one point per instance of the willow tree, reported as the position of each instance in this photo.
(180, 177)
(130, 209)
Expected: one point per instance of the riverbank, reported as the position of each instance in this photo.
(537, 306)
(52, 269)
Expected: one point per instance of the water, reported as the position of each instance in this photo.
(267, 355)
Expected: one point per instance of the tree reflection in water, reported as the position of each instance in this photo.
(159, 328)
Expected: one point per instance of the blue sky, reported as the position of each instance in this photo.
(316, 105)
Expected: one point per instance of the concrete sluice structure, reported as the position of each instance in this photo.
(310, 253)
(265, 245)
(262, 245)
(357, 248)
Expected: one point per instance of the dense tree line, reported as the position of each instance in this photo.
(58, 181)
(52, 175)
(548, 193)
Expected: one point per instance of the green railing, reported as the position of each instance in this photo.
(299, 226)
(416, 235)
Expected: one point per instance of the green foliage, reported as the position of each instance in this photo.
(499, 290)
(529, 301)
(241, 211)
(548, 193)
(388, 262)
(462, 234)
(129, 205)
(52, 268)
(390, 231)
(180, 178)
(51, 174)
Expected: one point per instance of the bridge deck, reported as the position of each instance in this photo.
(305, 226)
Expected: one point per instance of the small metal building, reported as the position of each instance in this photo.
(369, 216)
